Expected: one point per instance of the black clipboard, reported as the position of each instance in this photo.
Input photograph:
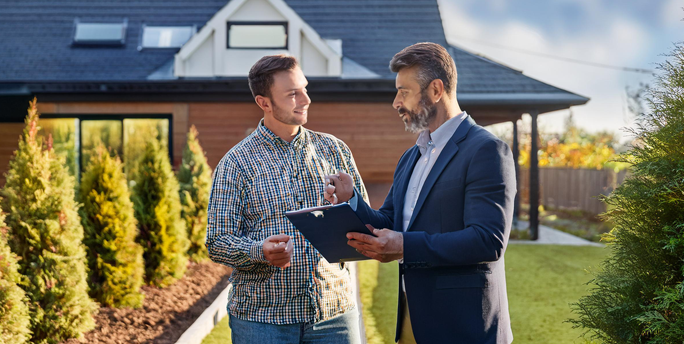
(326, 229)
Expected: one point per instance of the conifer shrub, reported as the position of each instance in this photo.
(46, 234)
(638, 295)
(162, 232)
(115, 260)
(194, 177)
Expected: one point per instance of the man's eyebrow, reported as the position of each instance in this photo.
(401, 87)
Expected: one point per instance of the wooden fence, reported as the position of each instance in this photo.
(567, 188)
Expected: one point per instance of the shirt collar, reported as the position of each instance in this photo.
(439, 137)
(271, 137)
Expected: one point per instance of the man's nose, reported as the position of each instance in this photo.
(397, 103)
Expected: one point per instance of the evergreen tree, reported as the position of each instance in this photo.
(14, 317)
(46, 234)
(114, 258)
(638, 296)
(162, 232)
(194, 176)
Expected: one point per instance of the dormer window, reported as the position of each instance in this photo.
(100, 33)
(257, 35)
(166, 36)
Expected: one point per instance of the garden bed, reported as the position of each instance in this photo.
(165, 314)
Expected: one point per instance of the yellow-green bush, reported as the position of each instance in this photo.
(194, 176)
(162, 232)
(46, 234)
(114, 258)
(14, 318)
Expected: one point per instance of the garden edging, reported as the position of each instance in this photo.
(207, 320)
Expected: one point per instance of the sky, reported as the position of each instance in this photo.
(621, 33)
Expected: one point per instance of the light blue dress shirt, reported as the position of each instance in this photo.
(430, 145)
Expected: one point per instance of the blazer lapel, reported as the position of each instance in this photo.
(449, 151)
(403, 178)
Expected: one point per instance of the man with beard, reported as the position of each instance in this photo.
(284, 291)
(449, 211)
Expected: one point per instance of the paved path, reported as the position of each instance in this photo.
(551, 236)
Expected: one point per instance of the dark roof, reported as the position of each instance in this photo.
(37, 34)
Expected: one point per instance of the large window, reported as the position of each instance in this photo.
(257, 35)
(78, 137)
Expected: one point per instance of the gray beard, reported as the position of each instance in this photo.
(420, 120)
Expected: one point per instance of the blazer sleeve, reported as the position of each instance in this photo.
(488, 214)
(383, 217)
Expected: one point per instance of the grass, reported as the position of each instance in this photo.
(378, 288)
(220, 334)
(543, 280)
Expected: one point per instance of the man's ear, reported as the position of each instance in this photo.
(264, 103)
(436, 90)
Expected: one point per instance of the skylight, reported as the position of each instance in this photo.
(100, 33)
(166, 36)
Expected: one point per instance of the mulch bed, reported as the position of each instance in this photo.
(165, 314)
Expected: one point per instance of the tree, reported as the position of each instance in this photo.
(115, 260)
(14, 317)
(194, 176)
(46, 234)
(162, 232)
(638, 295)
(575, 148)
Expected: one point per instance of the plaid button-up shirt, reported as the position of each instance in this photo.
(255, 183)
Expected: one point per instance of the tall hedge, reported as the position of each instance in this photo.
(638, 296)
(46, 234)
(162, 232)
(115, 260)
(14, 316)
(194, 177)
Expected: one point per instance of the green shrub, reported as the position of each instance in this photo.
(14, 317)
(638, 296)
(114, 258)
(162, 233)
(46, 234)
(194, 176)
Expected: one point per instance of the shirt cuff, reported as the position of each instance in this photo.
(353, 201)
(256, 252)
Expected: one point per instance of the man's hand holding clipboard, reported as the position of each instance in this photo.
(387, 245)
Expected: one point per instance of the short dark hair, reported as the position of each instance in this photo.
(261, 74)
(433, 61)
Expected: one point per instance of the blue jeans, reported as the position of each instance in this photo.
(342, 329)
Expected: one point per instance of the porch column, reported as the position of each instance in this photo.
(516, 154)
(534, 178)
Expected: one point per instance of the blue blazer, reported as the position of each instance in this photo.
(455, 242)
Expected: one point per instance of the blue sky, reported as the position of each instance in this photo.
(625, 33)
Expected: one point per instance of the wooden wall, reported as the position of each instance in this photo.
(373, 131)
(9, 139)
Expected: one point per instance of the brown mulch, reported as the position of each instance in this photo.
(165, 314)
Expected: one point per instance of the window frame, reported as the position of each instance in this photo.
(114, 43)
(112, 117)
(285, 24)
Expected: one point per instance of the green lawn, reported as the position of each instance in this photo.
(220, 334)
(542, 281)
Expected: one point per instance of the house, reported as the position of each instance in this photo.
(121, 66)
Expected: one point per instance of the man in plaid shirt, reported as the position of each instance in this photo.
(283, 291)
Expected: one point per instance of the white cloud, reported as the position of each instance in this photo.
(618, 42)
(672, 13)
